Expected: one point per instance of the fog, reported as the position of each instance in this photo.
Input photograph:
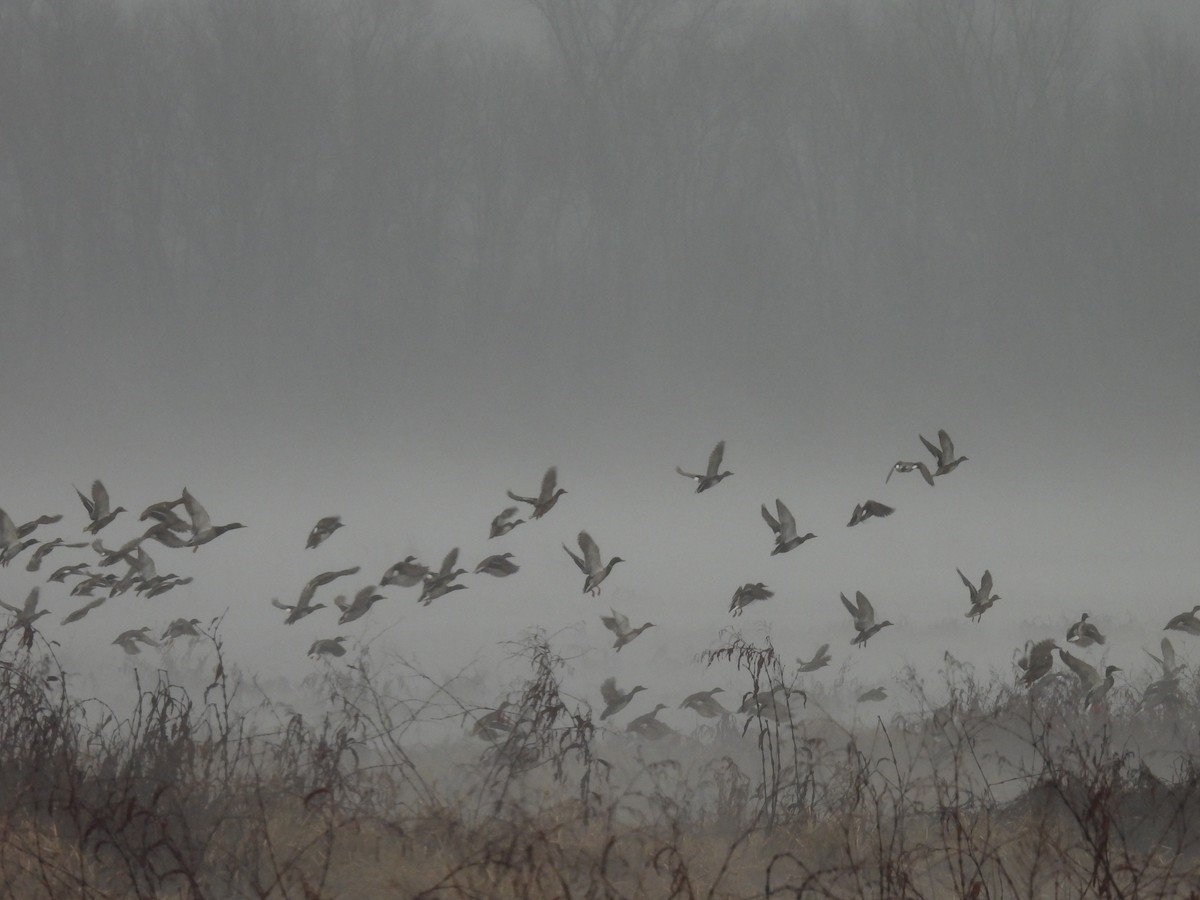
(389, 259)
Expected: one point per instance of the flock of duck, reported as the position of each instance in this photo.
(168, 529)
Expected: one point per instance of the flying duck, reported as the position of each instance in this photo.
(712, 476)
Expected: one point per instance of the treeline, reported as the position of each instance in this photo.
(382, 149)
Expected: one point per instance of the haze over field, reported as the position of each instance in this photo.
(387, 260)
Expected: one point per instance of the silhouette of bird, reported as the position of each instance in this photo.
(712, 475)
(504, 523)
(181, 628)
(981, 598)
(618, 624)
(494, 725)
(1083, 633)
(358, 607)
(614, 699)
(62, 573)
(903, 466)
(705, 704)
(328, 647)
(769, 705)
(869, 509)
(25, 616)
(784, 528)
(546, 498)
(203, 530)
(590, 564)
(648, 726)
(1185, 622)
(406, 573)
(323, 531)
(442, 583)
(874, 694)
(12, 551)
(304, 605)
(863, 614)
(498, 565)
(98, 508)
(35, 561)
(747, 594)
(820, 659)
(33, 524)
(129, 640)
(1167, 661)
(1039, 661)
(944, 454)
(82, 611)
(1094, 685)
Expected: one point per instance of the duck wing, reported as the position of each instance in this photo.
(936, 451)
(87, 504)
(787, 522)
(875, 508)
(578, 560)
(850, 608)
(690, 475)
(985, 584)
(770, 519)
(591, 553)
(549, 483)
(532, 501)
(865, 609)
(100, 501)
(714, 459)
(448, 563)
(925, 473)
(617, 623)
(608, 690)
(201, 523)
(1087, 674)
(947, 444)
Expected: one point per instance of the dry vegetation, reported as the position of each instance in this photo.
(996, 792)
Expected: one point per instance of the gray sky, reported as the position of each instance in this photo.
(1054, 339)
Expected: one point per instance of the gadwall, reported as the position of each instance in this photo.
(304, 605)
(982, 597)
(863, 614)
(98, 508)
(129, 640)
(35, 562)
(784, 528)
(747, 594)
(82, 611)
(944, 455)
(546, 498)
(712, 476)
(323, 531)
(819, 661)
(62, 573)
(442, 583)
(1039, 661)
(903, 466)
(29, 613)
(504, 523)
(705, 704)
(406, 573)
(1083, 633)
(648, 726)
(1094, 685)
(327, 647)
(590, 563)
(1185, 622)
(614, 699)
(181, 628)
(203, 530)
(358, 607)
(499, 565)
(618, 624)
(869, 509)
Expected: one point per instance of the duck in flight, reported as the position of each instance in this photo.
(590, 564)
(304, 605)
(1083, 633)
(747, 594)
(323, 531)
(903, 466)
(869, 509)
(863, 614)
(614, 699)
(504, 523)
(499, 565)
(943, 454)
(705, 704)
(982, 597)
(546, 498)
(406, 573)
(1039, 660)
(98, 507)
(819, 661)
(203, 530)
(618, 624)
(712, 476)
(783, 524)
(1095, 686)
(1186, 622)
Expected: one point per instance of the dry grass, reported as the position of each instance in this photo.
(997, 792)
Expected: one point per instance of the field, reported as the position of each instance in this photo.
(394, 789)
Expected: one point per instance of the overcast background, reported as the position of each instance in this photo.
(388, 259)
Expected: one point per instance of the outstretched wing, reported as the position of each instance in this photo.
(770, 519)
(688, 474)
(936, 451)
(549, 483)
(787, 522)
(608, 690)
(577, 559)
(865, 609)
(947, 445)
(875, 508)
(198, 514)
(985, 584)
(850, 608)
(448, 563)
(591, 553)
(714, 459)
(1087, 674)
(617, 623)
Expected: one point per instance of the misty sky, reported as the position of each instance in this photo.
(816, 291)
